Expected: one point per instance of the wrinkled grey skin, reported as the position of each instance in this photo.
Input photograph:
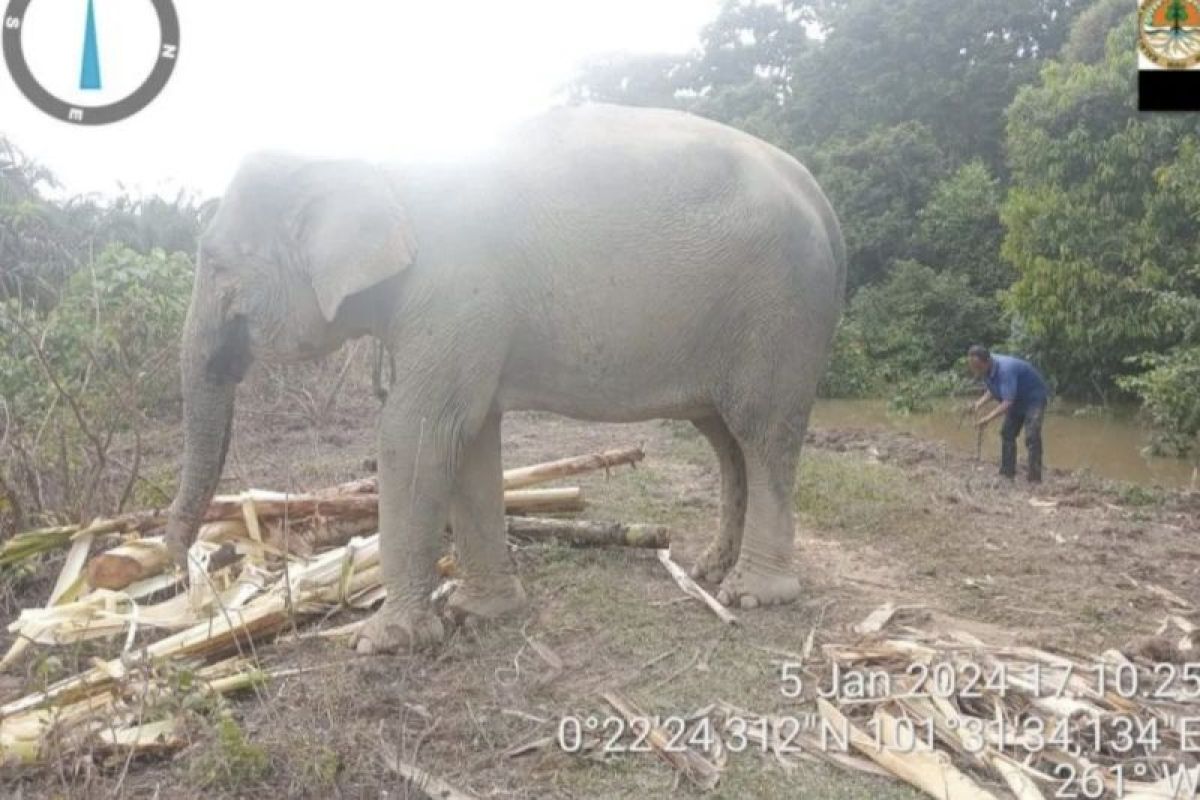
(604, 263)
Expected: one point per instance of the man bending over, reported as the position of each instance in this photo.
(1022, 395)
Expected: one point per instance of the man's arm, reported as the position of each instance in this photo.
(1003, 408)
(983, 399)
(1008, 396)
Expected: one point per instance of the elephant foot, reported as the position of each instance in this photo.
(391, 631)
(488, 599)
(714, 564)
(750, 587)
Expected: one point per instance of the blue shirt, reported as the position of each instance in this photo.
(1010, 378)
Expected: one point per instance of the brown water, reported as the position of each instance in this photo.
(1109, 444)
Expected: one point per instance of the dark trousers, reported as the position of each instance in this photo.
(1031, 419)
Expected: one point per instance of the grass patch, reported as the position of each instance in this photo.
(844, 492)
(233, 762)
(1138, 496)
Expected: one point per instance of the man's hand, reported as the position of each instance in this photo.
(1003, 408)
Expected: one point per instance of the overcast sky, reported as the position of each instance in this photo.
(375, 78)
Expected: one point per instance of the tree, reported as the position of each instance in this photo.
(1100, 220)
(959, 229)
(953, 67)
(878, 185)
(92, 295)
(1085, 41)
(740, 75)
(630, 79)
(908, 330)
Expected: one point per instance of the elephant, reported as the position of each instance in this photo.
(601, 262)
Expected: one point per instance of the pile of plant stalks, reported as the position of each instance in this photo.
(262, 562)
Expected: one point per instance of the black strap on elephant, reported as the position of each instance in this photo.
(380, 355)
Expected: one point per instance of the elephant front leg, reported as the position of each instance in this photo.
(415, 474)
(490, 587)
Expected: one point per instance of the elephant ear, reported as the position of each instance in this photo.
(351, 229)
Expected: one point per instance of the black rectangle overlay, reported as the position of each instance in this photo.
(1169, 90)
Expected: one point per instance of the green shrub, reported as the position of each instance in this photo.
(917, 394)
(232, 762)
(1170, 393)
(79, 380)
(852, 372)
(916, 324)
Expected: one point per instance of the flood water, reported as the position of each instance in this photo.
(1108, 443)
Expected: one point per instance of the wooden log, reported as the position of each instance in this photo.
(333, 521)
(307, 536)
(127, 563)
(522, 477)
(544, 501)
(357, 497)
(273, 504)
(221, 531)
(586, 533)
(142, 559)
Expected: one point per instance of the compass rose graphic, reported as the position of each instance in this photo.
(152, 49)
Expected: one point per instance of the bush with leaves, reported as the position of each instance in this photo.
(878, 184)
(1170, 393)
(916, 324)
(78, 382)
(959, 229)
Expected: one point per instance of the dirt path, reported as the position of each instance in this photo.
(881, 517)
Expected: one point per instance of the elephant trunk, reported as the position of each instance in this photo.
(215, 354)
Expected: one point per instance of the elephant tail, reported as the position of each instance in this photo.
(837, 243)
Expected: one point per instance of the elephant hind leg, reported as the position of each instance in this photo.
(490, 587)
(723, 550)
(764, 573)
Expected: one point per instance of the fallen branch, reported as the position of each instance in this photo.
(695, 767)
(586, 533)
(693, 589)
(433, 787)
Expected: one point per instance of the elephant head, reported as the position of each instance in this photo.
(282, 274)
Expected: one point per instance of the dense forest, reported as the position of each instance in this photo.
(994, 180)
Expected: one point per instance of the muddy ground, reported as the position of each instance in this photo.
(880, 517)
